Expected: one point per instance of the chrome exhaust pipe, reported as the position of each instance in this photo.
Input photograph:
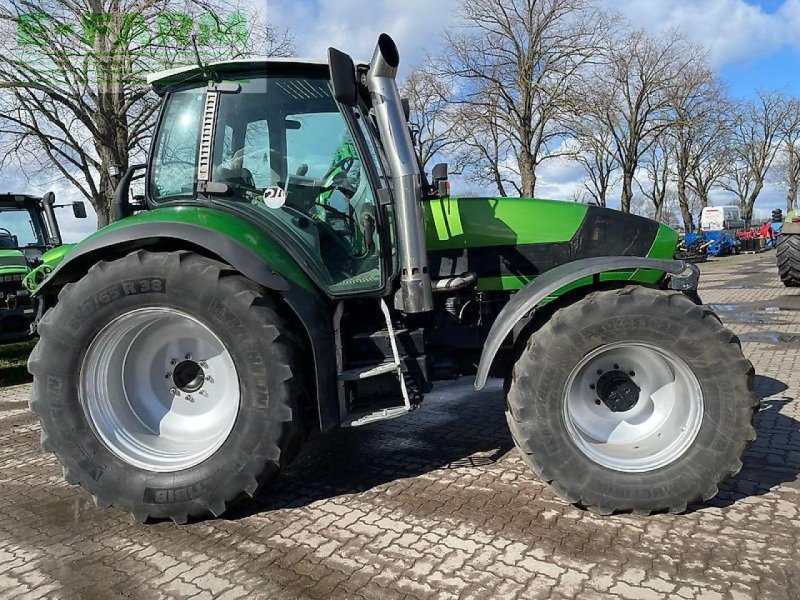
(416, 295)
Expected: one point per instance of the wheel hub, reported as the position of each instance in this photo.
(189, 376)
(632, 406)
(617, 391)
(160, 389)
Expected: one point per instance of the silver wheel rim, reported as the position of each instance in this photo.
(656, 430)
(160, 389)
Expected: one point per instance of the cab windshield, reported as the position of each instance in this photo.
(20, 228)
(284, 153)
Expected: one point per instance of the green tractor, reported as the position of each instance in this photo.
(30, 240)
(788, 249)
(262, 289)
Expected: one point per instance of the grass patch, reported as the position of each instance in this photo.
(13, 363)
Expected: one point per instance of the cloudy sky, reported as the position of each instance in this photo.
(753, 44)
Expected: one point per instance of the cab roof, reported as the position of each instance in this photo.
(193, 72)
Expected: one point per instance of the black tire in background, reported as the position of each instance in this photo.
(636, 314)
(268, 426)
(788, 258)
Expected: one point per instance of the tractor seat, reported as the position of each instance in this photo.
(8, 241)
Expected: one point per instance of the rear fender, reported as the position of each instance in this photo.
(308, 306)
(790, 228)
(529, 297)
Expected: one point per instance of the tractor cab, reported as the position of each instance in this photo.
(279, 151)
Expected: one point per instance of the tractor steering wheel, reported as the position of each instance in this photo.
(345, 164)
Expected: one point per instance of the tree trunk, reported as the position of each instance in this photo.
(747, 209)
(627, 191)
(527, 173)
(683, 202)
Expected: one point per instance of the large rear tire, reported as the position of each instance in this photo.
(788, 257)
(633, 400)
(167, 385)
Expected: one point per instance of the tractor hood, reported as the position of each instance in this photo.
(507, 242)
(50, 260)
(13, 262)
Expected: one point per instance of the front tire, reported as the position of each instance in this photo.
(633, 400)
(167, 385)
(788, 258)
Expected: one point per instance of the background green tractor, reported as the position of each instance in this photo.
(265, 288)
(788, 250)
(30, 241)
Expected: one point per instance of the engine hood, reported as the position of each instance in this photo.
(13, 262)
(509, 241)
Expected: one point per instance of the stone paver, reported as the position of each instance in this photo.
(434, 505)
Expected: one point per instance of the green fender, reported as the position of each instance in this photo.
(234, 240)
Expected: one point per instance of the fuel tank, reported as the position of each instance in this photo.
(507, 242)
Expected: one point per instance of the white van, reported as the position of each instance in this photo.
(717, 218)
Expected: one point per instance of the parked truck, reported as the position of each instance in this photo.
(265, 288)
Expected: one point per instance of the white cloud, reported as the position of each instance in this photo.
(353, 26)
(732, 30)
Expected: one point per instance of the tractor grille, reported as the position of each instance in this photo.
(11, 285)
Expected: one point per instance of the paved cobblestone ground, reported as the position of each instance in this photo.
(436, 505)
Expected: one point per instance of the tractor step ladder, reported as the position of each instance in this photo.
(348, 376)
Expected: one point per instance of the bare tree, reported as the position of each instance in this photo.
(632, 95)
(789, 157)
(594, 151)
(760, 127)
(73, 72)
(430, 112)
(699, 130)
(518, 63)
(657, 163)
(482, 148)
(789, 165)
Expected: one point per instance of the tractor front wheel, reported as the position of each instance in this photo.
(633, 400)
(167, 385)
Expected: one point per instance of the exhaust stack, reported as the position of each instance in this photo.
(415, 282)
(54, 232)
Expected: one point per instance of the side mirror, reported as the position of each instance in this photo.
(440, 183)
(343, 77)
(79, 209)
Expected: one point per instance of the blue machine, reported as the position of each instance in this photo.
(716, 243)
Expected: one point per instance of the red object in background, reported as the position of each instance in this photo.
(766, 232)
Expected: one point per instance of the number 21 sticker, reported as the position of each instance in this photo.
(274, 197)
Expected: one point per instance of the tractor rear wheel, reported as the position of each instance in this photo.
(167, 385)
(633, 400)
(788, 257)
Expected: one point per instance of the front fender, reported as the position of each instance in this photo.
(244, 247)
(553, 280)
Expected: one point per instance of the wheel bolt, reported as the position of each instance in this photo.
(167, 375)
(173, 391)
(209, 379)
(203, 393)
(203, 364)
(189, 398)
(174, 361)
(598, 402)
(188, 357)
